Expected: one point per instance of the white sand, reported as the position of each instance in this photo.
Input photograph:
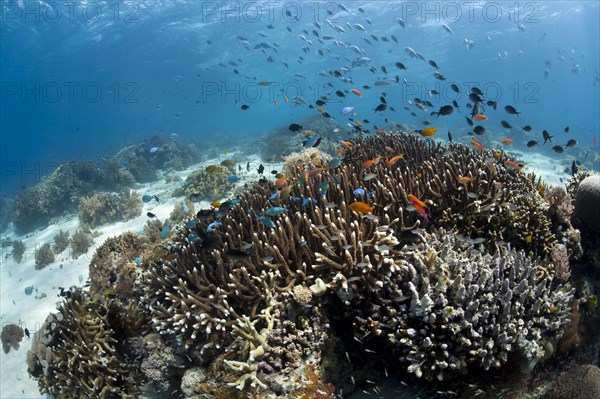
(31, 311)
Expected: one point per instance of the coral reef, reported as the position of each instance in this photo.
(143, 165)
(103, 208)
(586, 202)
(18, 250)
(80, 242)
(83, 350)
(55, 194)
(43, 256)
(12, 335)
(61, 241)
(476, 276)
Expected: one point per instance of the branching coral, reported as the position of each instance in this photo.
(81, 351)
(18, 250)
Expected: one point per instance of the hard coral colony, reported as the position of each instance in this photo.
(464, 291)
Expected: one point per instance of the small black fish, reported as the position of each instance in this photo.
(400, 65)
(439, 76)
(449, 136)
(492, 104)
(433, 64)
(475, 98)
(455, 88)
(531, 143)
(567, 129)
(444, 110)
(244, 107)
(247, 166)
(469, 121)
(27, 333)
(573, 168)
(526, 128)
(204, 213)
(479, 130)
(511, 110)
(340, 94)
(320, 103)
(260, 169)
(476, 90)
(150, 215)
(294, 127)
(274, 172)
(156, 198)
(558, 149)
(505, 124)
(380, 107)
(546, 136)
(455, 104)
(571, 143)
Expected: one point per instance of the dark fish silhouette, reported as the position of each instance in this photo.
(511, 110)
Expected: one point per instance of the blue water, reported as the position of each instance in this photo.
(80, 80)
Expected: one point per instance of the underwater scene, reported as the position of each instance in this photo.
(299, 199)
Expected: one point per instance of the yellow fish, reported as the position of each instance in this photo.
(428, 131)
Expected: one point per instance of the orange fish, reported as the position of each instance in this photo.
(513, 164)
(464, 179)
(361, 207)
(281, 181)
(215, 204)
(428, 131)
(314, 172)
(321, 110)
(497, 154)
(358, 122)
(419, 206)
(346, 144)
(381, 132)
(395, 159)
(478, 145)
(370, 162)
(390, 149)
(507, 140)
(358, 93)
(480, 117)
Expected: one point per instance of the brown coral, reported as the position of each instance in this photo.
(581, 382)
(12, 335)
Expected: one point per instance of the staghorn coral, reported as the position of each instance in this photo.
(105, 207)
(12, 335)
(43, 256)
(82, 351)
